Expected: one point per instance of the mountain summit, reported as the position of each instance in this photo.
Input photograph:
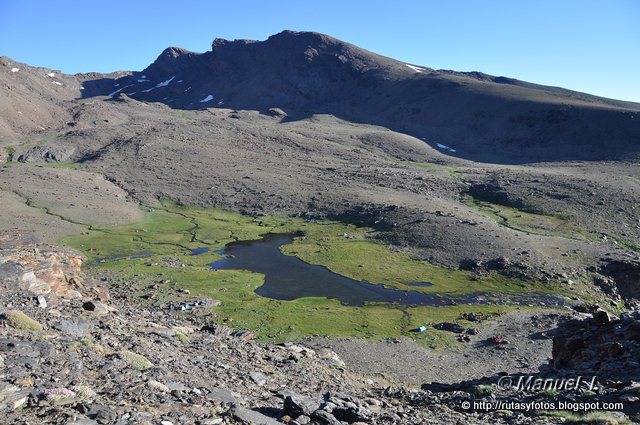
(303, 73)
(476, 116)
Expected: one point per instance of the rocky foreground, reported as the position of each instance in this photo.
(75, 351)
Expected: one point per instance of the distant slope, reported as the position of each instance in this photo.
(482, 117)
(479, 117)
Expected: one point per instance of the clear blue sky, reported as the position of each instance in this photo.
(585, 45)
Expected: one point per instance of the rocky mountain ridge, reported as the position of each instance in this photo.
(484, 118)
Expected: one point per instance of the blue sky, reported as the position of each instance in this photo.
(588, 45)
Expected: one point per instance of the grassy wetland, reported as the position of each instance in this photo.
(159, 248)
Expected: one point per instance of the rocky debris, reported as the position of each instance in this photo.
(296, 405)
(259, 378)
(500, 263)
(47, 153)
(325, 353)
(131, 364)
(73, 327)
(244, 334)
(252, 417)
(494, 192)
(601, 344)
(12, 397)
(449, 327)
(333, 407)
(504, 265)
(42, 301)
(48, 271)
(98, 308)
(620, 279)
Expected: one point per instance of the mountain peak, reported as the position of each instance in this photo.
(304, 73)
(172, 59)
(221, 43)
(309, 37)
(174, 52)
(285, 42)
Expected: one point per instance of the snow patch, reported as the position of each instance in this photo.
(57, 82)
(165, 82)
(188, 88)
(15, 69)
(209, 98)
(221, 102)
(143, 81)
(51, 74)
(415, 68)
(445, 147)
(119, 90)
(161, 84)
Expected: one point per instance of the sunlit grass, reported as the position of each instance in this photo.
(160, 245)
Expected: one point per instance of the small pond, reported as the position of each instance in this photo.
(289, 278)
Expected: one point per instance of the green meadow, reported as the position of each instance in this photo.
(158, 248)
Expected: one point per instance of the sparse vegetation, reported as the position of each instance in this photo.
(59, 165)
(89, 343)
(591, 418)
(548, 393)
(528, 222)
(11, 151)
(60, 396)
(483, 390)
(84, 392)
(136, 361)
(19, 320)
(182, 335)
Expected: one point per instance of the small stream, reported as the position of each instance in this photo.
(289, 278)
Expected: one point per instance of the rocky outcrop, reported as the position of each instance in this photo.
(47, 153)
(49, 272)
(601, 344)
(622, 277)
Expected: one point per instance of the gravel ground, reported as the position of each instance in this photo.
(404, 362)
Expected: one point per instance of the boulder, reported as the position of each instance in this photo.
(74, 327)
(252, 417)
(12, 397)
(259, 378)
(47, 153)
(98, 308)
(297, 405)
(601, 317)
(449, 327)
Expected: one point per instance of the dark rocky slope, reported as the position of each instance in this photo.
(484, 118)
